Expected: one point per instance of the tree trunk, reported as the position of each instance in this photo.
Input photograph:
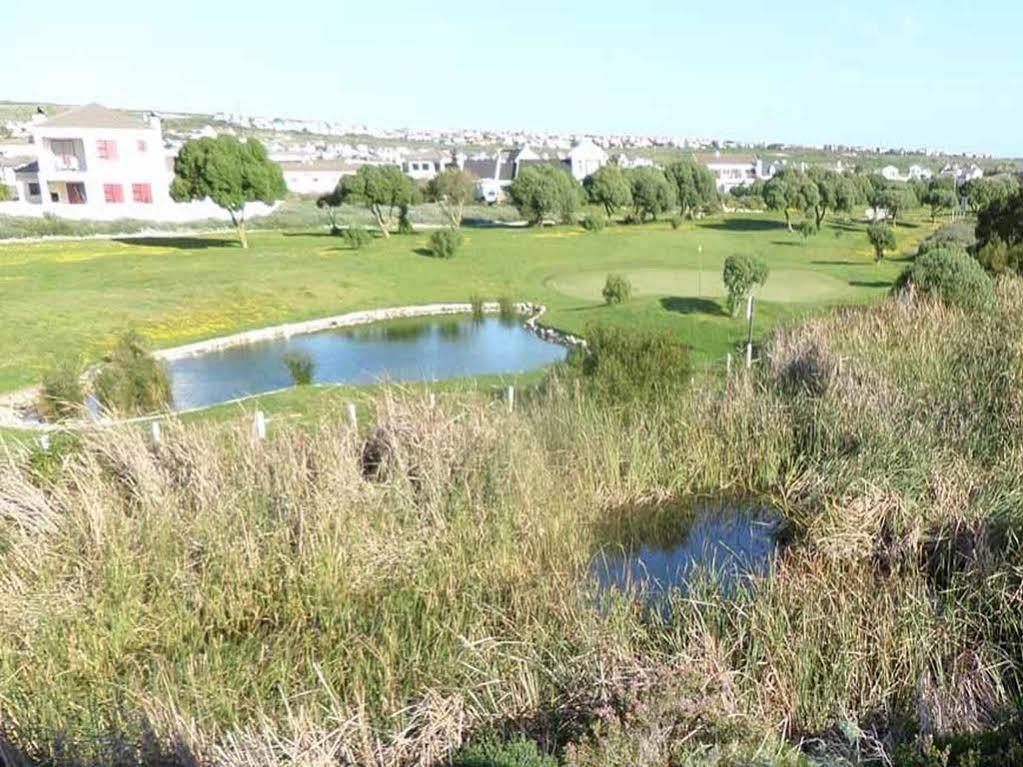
(788, 220)
(238, 219)
(380, 222)
(821, 213)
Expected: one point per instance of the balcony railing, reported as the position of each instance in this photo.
(67, 162)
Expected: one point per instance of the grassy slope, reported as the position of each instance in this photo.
(72, 298)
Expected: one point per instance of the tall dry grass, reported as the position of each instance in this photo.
(375, 598)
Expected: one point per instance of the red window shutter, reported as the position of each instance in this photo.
(107, 150)
(142, 145)
(142, 193)
(113, 193)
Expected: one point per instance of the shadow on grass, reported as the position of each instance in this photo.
(180, 243)
(745, 225)
(788, 243)
(871, 283)
(426, 252)
(691, 305)
(843, 263)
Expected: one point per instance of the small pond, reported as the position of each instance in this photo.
(424, 349)
(648, 552)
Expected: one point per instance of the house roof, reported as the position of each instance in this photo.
(480, 168)
(725, 159)
(32, 167)
(95, 116)
(14, 162)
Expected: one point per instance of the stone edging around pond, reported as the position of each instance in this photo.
(17, 408)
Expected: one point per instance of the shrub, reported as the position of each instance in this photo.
(676, 221)
(444, 243)
(807, 229)
(61, 395)
(955, 235)
(617, 289)
(882, 237)
(952, 275)
(594, 222)
(356, 237)
(520, 752)
(509, 312)
(999, 258)
(476, 302)
(131, 380)
(301, 367)
(740, 275)
(624, 364)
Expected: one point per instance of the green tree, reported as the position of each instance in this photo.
(542, 191)
(741, 274)
(1002, 220)
(229, 172)
(652, 193)
(951, 275)
(329, 203)
(940, 196)
(982, 192)
(894, 199)
(791, 190)
(452, 189)
(609, 187)
(695, 186)
(882, 237)
(835, 192)
(382, 189)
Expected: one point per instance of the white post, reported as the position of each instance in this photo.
(353, 418)
(433, 400)
(156, 433)
(511, 398)
(44, 442)
(749, 356)
(728, 364)
(260, 425)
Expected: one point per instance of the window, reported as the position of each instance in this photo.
(33, 189)
(107, 150)
(142, 145)
(113, 193)
(142, 192)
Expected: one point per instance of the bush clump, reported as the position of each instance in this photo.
(520, 752)
(356, 237)
(676, 221)
(952, 275)
(882, 238)
(617, 289)
(62, 395)
(740, 275)
(476, 304)
(594, 222)
(959, 236)
(301, 367)
(623, 364)
(132, 381)
(508, 310)
(444, 243)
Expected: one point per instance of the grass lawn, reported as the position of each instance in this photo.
(72, 298)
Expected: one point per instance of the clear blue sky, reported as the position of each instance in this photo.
(942, 73)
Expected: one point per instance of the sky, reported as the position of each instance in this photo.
(944, 74)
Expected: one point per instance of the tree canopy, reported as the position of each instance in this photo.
(740, 275)
(652, 193)
(835, 192)
(789, 190)
(894, 199)
(610, 187)
(695, 186)
(544, 191)
(452, 189)
(229, 172)
(981, 192)
(940, 195)
(882, 237)
(1001, 220)
(382, 189)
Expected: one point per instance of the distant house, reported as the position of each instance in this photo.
(732, 170)
(891, 173)
(422, 169)
(585, 158)
(494, 173)
(96, 158)
(920, 173)
(315, 176)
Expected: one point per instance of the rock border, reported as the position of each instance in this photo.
(17, 408)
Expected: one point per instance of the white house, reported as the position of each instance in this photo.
(99, 159)
(422, 169)
(891, 173)
(732, 170)
(315, 176)
(585, 158)
(920, 173)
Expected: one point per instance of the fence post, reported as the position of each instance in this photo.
(44, 442)
(260, 425)
(433, 400)
(353, 418)
(728, 364)
(511, 399)
(155, 427)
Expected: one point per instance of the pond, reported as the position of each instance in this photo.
(401, 350)
(647, 552)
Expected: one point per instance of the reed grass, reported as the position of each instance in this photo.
(216, 598)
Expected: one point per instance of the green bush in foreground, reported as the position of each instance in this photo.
(624, 364)
(520, 752)
(740, 275)
(617, 289)
(444, 243)
(132, 381)
(62, 394)
(356, 237)
(301, 367)
(594, 222)
(952, 275)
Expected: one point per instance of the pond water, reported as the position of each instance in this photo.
(649, 551)
(402, 350)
